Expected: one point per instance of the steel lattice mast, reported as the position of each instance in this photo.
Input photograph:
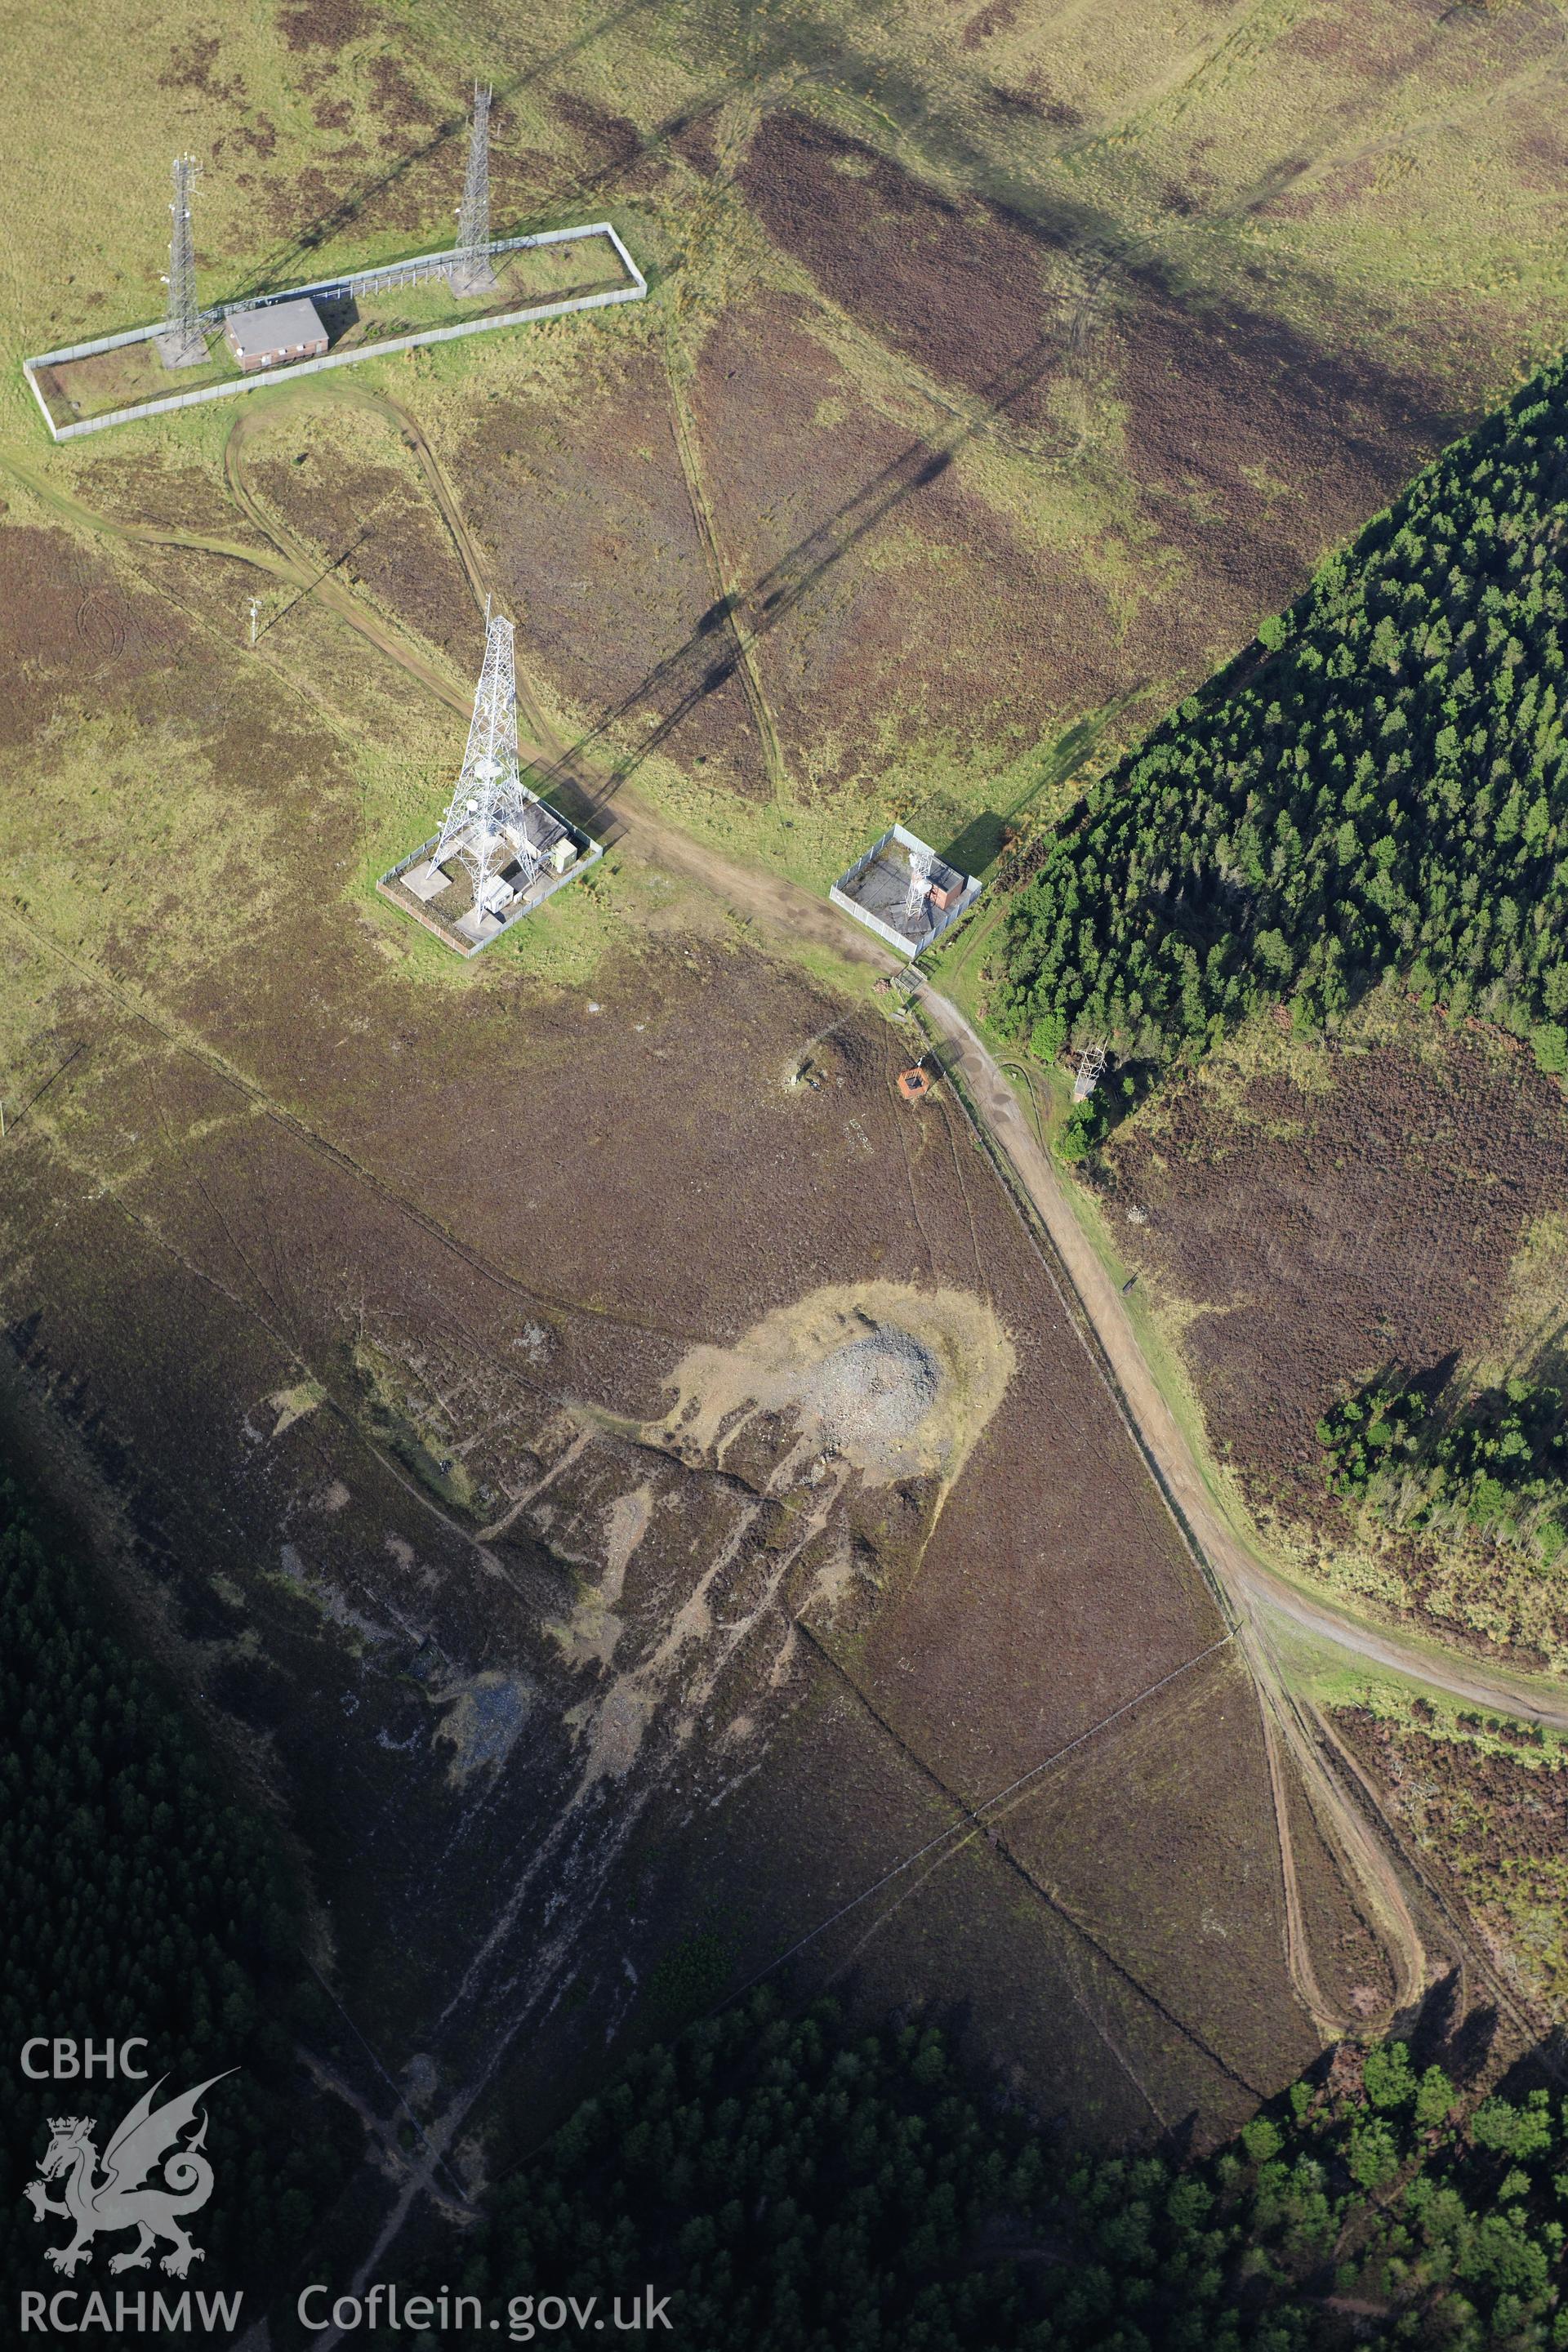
(182, 343)
(471, 273)
(485, 826)
(921, 862)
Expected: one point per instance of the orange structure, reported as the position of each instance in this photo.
(913, 1084)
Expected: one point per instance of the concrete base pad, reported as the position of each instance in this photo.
(477, 926)
(470, 279)
(178, 350)
(425, 882)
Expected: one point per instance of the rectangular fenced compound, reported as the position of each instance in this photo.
(329, 290)
(543, 887)
(874, 892)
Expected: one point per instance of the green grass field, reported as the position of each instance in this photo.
(1354, 193)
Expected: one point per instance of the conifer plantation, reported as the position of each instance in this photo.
(800, 2187)
(1378, 787)
(138, 1901)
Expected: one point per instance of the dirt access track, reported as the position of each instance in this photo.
(794, 914)
(482, 1501)
(362, 1306)
(1247, 1578)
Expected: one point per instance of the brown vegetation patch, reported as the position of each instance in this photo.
(1496, 1832)
(1318, 37)
(1034, 97)
(1188, 1766)
(394, 95)
(1351, 185)
(1384, 49)
(69, 627)
(603, 139)
(300, 208)
(909, 606)
(587, 514)
(997, 16)
(520, 179)
(323, 23)
(1254, 448)
(1327, 1233)
(1016, 1546)
(191, 68)
(146, 489)
(384, 530)
(1033, 1997)
(1541, 158)
(957, 285)
(607, 152)
(407, 193)
(693, 142)
(258, 138)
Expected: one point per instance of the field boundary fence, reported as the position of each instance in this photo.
(344, 286)
(1077, 1314)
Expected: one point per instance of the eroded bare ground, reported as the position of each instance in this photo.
(626, 1502)
(580, 1592)
(632, 1511)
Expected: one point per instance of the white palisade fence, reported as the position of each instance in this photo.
(424, 265)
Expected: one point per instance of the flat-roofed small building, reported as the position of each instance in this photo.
(275, 334)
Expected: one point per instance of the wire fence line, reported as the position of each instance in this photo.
(972, 1818)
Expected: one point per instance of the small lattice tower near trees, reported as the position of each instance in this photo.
(486, 825)
(921, 862)
(182, 343)
(1090, 1067)
(471, 272)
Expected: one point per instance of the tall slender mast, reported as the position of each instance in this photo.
(920, 887)
(182, 343)
(471, 272)
(485, 826)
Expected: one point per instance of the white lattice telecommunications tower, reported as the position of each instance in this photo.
(471, 272)
(921, 863)
(486, 825)
(182, 343)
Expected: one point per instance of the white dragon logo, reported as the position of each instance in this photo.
(148, 2137)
